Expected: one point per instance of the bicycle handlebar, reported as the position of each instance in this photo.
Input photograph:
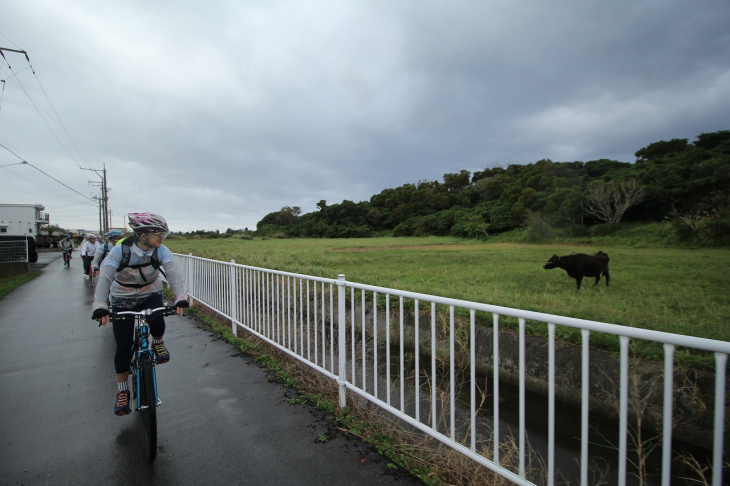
(146, 312)
(168, 310)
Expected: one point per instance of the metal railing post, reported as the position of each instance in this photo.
(341, 347)
(717, 453)
(190, 275)
(234, 312)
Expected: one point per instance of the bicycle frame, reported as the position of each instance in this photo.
(142, 350)
(142, 367)
(91, 275)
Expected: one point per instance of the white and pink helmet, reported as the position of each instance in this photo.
(144, 222)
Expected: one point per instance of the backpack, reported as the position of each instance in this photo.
(105, 253)
(127, 255)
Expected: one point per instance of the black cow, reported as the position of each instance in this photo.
(581, 265)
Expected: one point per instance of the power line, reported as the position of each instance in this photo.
(48, 175)
(58, 117)
(13, 43)
(17, 80)
(17, 163)
(64, 185)
(103, 208)
(39, 185)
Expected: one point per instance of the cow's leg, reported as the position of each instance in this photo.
(578, 280)
(598, 279)
(605, 274)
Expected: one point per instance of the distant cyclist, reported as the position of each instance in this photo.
(132, 271)
(88, 250)
(67, 246)
(113, 237)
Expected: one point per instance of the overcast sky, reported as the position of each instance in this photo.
(214, 114)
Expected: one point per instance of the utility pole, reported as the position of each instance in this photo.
(104, 200)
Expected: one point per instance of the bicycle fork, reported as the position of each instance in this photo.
(138, 384)
(142, 352)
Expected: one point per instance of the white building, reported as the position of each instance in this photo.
(22, 219)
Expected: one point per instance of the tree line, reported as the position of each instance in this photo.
(678, 180)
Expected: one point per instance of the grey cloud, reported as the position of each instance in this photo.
(237, 109)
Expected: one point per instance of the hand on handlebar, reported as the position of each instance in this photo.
(102, 316)
(180, 306)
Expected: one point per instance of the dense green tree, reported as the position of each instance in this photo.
(686, 182)
(661, 149)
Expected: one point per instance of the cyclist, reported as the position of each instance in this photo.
(88, 250)
(112, 237)
(67, 246)
(132, 271)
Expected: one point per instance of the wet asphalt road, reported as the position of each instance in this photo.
(221, 420)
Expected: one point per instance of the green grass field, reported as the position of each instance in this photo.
(8, 284)
(683, 291)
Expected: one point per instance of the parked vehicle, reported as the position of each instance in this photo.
(32, 246)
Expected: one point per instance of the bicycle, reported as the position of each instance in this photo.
(142, 369)
(91, 274)
(67, 257)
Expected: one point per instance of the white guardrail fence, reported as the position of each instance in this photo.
(302, 316)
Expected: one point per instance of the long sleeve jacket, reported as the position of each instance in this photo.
(89, 249)
(137, 284)
(101, 253)
(66, 244)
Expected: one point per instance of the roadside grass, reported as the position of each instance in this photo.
(8, 284)
(675, 290)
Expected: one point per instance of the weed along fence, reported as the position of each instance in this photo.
(429, 361)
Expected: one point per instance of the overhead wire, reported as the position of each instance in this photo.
(15, 74)
(44, 173)
(3, 81)
(58, 118)
(15, 78)
(13, 43)
(39, 185)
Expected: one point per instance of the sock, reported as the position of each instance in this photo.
(157, 340)
(122, 386)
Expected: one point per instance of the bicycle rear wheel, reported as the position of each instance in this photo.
(148, 406)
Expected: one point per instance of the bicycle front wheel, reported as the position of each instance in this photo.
(148, 406)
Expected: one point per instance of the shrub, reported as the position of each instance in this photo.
(403, 229)
(714, 232)
(605, 229)
(537, 229)
(576, 231)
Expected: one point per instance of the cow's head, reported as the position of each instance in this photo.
(552, 263)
